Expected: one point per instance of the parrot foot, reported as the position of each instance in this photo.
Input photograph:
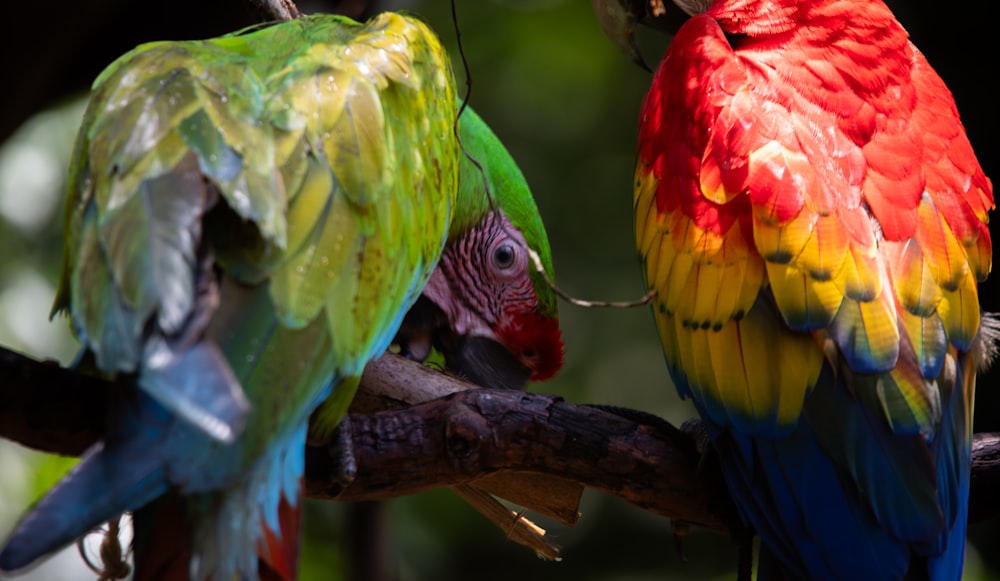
(341, 449)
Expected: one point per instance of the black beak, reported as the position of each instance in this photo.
(487, 363)
(479, 360)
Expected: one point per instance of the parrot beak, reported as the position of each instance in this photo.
(488, 364)
(480, 360)
(618, 19)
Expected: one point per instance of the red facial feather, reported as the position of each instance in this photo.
(536, 341)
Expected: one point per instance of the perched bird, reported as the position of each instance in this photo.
(814, 220)
(249, 219)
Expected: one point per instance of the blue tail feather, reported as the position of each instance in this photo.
(953, 456)
(121, 474)
(814, 505)
(802, 511)
(198, 385)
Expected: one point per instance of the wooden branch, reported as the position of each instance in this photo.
(280, 9)
(48, 408)
(466, 437)
(984, 502)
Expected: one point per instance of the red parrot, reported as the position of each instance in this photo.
(813, 219)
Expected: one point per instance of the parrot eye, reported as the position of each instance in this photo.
(503, 256)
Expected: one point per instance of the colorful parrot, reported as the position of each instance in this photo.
(249, 219)
(814, 222)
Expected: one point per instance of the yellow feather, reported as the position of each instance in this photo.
(302, 284)
(252, 141)
(781, 367)
(650, 225)
(659, 272)
(307, 207)
(686, 234)
(767, 237)
(324, 94)
(676, 280)
(869, 331)
(685, 352)
(726, 298)
(968, 387)
(959, 311)
(880, 322)
(782, 243)
(644, 198)
(825, 252)
(804, 302)
(643, 230)
(292, 160)
(728, 367)
(684, 307)
(710, 180)
(801, 361)
(916, 289)
(693, 356)
(651, 261)
(654, 244)
(926, 335)
(702, 371)
(668, 334)
(980, 255)
(859, 278)
(920, 398)
(354, 143)
(942, 251)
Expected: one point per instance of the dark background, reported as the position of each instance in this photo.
(566, 104)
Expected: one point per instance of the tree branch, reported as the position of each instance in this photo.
(467, 436)
(494, 439)
(280, 9)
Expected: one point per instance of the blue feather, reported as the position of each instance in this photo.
(121, 474)
(842, 497)
(198, 385)
(953, 458)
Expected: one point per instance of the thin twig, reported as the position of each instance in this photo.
(537, 260)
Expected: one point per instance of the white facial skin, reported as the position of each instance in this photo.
(482, 277)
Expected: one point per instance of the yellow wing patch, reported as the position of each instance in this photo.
(726, 347)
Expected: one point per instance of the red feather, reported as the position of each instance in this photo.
(279, 550)
(536, 341)
(163, 542)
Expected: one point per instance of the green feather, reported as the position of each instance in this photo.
(509, 191)
(332, 167)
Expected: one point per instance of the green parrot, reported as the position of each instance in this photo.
(249, 220)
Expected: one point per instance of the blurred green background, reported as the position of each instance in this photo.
(566, 104)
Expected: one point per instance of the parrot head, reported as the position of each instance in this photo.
(486, 307)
